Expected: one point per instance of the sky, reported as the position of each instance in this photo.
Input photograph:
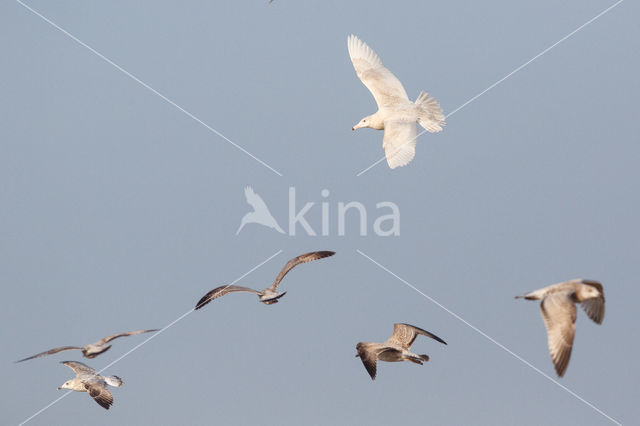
(121, 200)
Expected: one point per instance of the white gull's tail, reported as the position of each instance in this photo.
(430, 114)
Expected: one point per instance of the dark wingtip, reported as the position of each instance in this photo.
(205, 299)
(25, 359)
(433, 336)
(202, 302)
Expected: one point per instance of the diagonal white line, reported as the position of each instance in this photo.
(500, 345)
(162, 330)
(502, 79)
(145, 85)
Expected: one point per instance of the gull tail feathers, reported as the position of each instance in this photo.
(114, 381)
(430, 114)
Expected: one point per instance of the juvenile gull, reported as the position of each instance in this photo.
(395, 349)
(88, 380)
(269, 295)
(559, 314)
(91, 350)
(396, 114)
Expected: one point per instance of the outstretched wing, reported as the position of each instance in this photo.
(109, 338)
(221, 291)
(79, 368)
(405, 334)
(303, 258)
(369, 354)
(383, 85)
(369, 359)
(99, 392)
(559, 315)
(399, 142)
(594, 307)
(50, 352)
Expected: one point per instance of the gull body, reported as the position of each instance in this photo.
(269, 295)
(89, 380)
(395, 349)
(558, 309)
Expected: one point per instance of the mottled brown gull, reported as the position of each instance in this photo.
(269, 295)
(89, 380)
(558, 308)
(91, 350)
(395, 349)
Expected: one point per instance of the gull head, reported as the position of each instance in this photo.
(66, 385)
(370, 121)
(588, 292)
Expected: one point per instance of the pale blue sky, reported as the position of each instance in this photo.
(120, 212)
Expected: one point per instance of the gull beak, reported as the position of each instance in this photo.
(59, 387)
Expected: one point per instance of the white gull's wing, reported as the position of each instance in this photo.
(399, 142)
(383, 85)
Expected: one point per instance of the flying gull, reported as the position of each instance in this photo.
(558, 309)
(269, 295)
(395, 349)
(89, 380)
(91, 350)
(396, 114)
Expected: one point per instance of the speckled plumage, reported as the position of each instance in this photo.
(269, 295)
(395, 349)
(558, 309)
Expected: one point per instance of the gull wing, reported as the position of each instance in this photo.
(79, 368)
(99, 392)
(399, 142)
(405, 334)
(369, 353)
(369, 358)
(303, 258)
(221, 291)
(109, 338)
(383, 85)
(594, 308)
(559, 315)
(50, 352)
